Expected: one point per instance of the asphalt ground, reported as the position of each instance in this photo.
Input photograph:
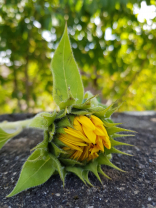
(134, 189)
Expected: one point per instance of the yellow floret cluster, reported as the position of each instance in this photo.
(86, 139)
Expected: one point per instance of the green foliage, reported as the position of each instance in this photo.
(36, 170)
(5, 137)
(67, 84)
(118, 67)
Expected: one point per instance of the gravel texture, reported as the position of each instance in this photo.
(135, 188)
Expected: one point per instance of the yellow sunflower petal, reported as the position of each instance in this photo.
(77, 125)
(74, 141)
(103, 129)
(73, 138)
(96, 121)
(77, 134)
(90, 134)
(99, 131)
(86, 122)
(93, 156)
(66, 142)
(106, 141)
(76, 155)
(100, 144)
(95, 149)
(85, 153)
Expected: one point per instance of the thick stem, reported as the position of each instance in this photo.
(15, 124)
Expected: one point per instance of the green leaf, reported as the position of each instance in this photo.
(66, 74)
(5, 137)
(34, 173)
(43, 120)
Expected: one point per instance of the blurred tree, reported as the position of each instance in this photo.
(115, 52)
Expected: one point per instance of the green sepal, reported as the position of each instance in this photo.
(115, 129)
(92, 166)
(121, 135)
(85, 176)
(88, 103)
(103, 160)
(61, 113)
(107, 124)
(54, 149)
(114, 150)
(77, 171)
(102, 112)
(89, 96)
(95, 109)
(68, 102)
(58, 167)
(71, 119)
(58, 142)
(109, 156)
(64, 122)
(83, 106)
(70, 162)
(116, 143)
(102, 105)
(102, 173)
(52, 132)
(34, 173)
(66, 74)
(60, 131)
(80, 113)
(112, 110)
(44, 143)
(5, 137)
(42, 153)
(43, 120)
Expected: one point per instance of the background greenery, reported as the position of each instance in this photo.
(115, 52)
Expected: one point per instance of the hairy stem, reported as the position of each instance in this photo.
(15, 124)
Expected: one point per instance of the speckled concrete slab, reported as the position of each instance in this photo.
(134, 189)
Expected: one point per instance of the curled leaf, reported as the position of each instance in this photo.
(5, 137)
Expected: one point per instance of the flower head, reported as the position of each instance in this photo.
(86, 139)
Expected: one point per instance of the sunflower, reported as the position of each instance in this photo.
(86, 139)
